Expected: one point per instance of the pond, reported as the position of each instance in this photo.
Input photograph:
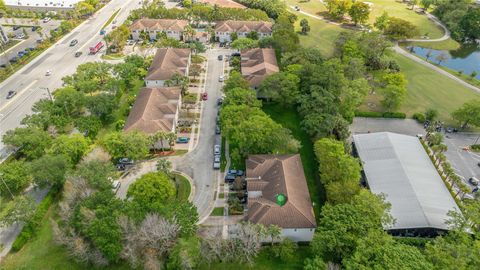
(466, 59)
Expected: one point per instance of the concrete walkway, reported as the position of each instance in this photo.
(435, 20)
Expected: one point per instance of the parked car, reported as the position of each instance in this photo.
(13, 59)
(78, 54)
(219, 101)
(216, 162)
(235, 54)
(16, 27)
(48, 73)
(39, 40)
(220, 57)
(183, 140)
(216, 149)
(229, 178)
(34, 28)
(130, 42)
(11, 94)
(217, 129)
(474, 181)
(115, 185)
(21, 53)
(297, 8)
(221, 78)
(125, 161)
(204, 96)
(20, 36)
(235, 172)
(103, 32)
(73, 42)
(46, 19)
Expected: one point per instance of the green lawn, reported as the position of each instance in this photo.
(265, 261)
(427, 89)
(42, 253)
(217, 211)
(183, 188)
(289, 118)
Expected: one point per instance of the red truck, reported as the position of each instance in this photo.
(94, 50)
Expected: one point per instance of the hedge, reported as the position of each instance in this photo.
(418, 242)
(420, 117)
(475, 147)
(33, 225)
(381, 114)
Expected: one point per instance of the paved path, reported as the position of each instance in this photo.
(435, 20)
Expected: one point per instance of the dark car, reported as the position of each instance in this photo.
(21, 53)
(220, 57)
(235, 54)
(204, 96)
(219, 101)
(239, 173)
(78, 54)
(217, 129)
(13, 60)
(73, 43)
(229, 178)
(16, 27)
(11, 94)
(125, 161)
(232, 172)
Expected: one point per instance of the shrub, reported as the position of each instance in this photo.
(31, 227)
(475, 147)
(381, 115)
(420, 117)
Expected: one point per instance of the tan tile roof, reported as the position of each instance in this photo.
(243, 26)
(167, 62)
(279, 174)
(257, 64)
(159, 25)
(154, 110)
(223, 3)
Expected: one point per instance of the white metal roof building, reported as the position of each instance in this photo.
(42, 4)
(398, 166)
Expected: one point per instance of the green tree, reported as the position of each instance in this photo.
(96, 173)
(239, 96)
(253, 35)
(281, 87)
(19, 209)
(88, 125)
(315, 263)
(14, 177)
(186, 254)
(469, 24)
(473, 75)
(400, 29)
(49, 170)
(338, 8)
(285, 250)
(182, 213)
(133, 145)
(152, 190)
(359, 12)
(381, 22)
(305, 26)
(378, 250)
(235, 80)
(284, 36)
(31, 142)
(393, 96)
(244, 43)
(73, 147)
(342, 225)
(426, 3)
(468, 114)
(164, 165)
(431, 114)
(69, 101)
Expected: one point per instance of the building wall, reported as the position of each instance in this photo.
(153, 83)
(225, 36)
(298, 235)
(153, 34)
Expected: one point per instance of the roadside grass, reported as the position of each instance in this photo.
(426, 89)
(115, 56)
(183, 187)
(223, 158)
(289, 119)
(221, 195)
(43, 253)
(217, 211)
(265, 261)
(110, 20)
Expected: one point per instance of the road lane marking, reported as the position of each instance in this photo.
(19, 93)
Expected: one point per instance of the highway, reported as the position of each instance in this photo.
(31, 83)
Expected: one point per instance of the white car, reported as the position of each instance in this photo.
(115, 185)
(48, 73)
(46, 19)
(20, 36)
(221, 78)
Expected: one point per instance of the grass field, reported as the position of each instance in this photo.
(183, 188)
(289, 119)
(265, 261)
(217, 211)
(427, 89)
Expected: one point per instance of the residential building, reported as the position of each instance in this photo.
(278, 195)
(42, 5)
(224, 29)
(155, 109)
(397, 166)
(222, 3)
(172, 28)
(257, 64)
(166, 63)
(3, 35)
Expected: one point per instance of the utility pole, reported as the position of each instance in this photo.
(48, 91)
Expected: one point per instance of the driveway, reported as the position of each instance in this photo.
(198, 163)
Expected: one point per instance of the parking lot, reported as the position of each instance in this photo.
(464, 162)
(30, 40)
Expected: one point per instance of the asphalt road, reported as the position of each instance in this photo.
(30, 81)
(198, 163)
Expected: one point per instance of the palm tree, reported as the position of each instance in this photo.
(274, 232)
(189, 32)
(158, 136)
(164, 165)
(171, 137)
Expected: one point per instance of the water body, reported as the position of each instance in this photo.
(466, 58)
